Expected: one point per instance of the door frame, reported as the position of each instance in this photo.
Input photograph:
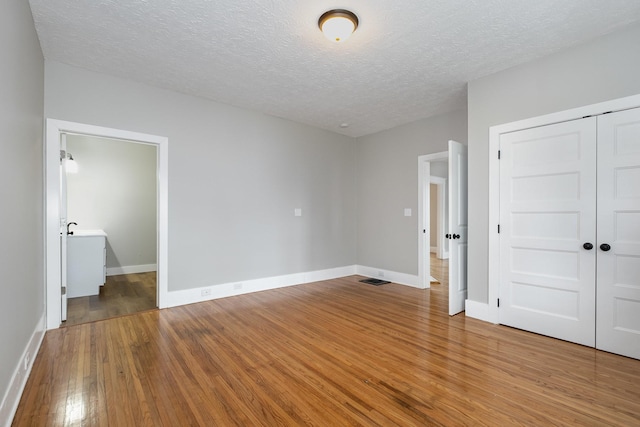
(492, 313)
(424, 247)
(53, 131)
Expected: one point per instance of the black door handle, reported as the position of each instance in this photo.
(455, 236)
(605, 247)
(448, 236)
(588, 246)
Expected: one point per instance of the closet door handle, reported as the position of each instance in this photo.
(456, 236)
(605, 247)
(588, 246)
(448, 236)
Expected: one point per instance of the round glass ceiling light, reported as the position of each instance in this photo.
(338, 24)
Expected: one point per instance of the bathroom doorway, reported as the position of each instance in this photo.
(57, 131)
(112, 191)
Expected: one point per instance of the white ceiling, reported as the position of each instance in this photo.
(408, 60)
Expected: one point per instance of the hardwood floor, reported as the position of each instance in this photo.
(120, 295)
(439, 270)
(337, 352)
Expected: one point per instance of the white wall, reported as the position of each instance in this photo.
(115, 190)
(21, 191)
(606, 68)
(235, 178)
(388, 183)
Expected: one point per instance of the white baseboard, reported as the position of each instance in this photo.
(11, 399)
(131, 269)
(392, 276)
(240, 287)
(477, 310)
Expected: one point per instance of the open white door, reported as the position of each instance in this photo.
(457, 227)
(63, 225)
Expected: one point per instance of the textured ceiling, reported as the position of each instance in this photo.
(408, 59)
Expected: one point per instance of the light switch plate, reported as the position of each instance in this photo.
(407, 211)
(297, 212)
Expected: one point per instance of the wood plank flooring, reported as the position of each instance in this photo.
(336, 352)
(439, 270)
(121, 294)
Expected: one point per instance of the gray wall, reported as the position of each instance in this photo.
(21, 188)
(440, 168)
(388, 183)
(604, 69)
(235, 178)
(115, 190)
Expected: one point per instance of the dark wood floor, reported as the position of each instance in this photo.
(337, 352)
(120, 295)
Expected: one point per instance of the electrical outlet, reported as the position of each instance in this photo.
(237, 286)
(380, 273)
(205, 292)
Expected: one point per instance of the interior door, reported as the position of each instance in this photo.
(618, 277)
(63, 226)
(457, 227)
(547, 230)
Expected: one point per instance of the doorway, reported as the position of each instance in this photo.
(454, 232)
(56, 133)
(433, 174)
(112, 191)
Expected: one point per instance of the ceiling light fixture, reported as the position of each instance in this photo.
(338, 24)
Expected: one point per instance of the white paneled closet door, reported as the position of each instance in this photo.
(618, 277)
(547, 220)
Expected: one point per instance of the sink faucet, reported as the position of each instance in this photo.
(70, 232)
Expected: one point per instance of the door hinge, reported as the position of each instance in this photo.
(498, 228)
(498, 154)
(498, 302)
(64, 290)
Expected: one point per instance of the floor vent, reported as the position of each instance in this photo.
(374, 282)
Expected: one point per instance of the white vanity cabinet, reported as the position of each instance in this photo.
(86, 262)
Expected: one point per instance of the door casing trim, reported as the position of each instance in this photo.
(53, 129)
